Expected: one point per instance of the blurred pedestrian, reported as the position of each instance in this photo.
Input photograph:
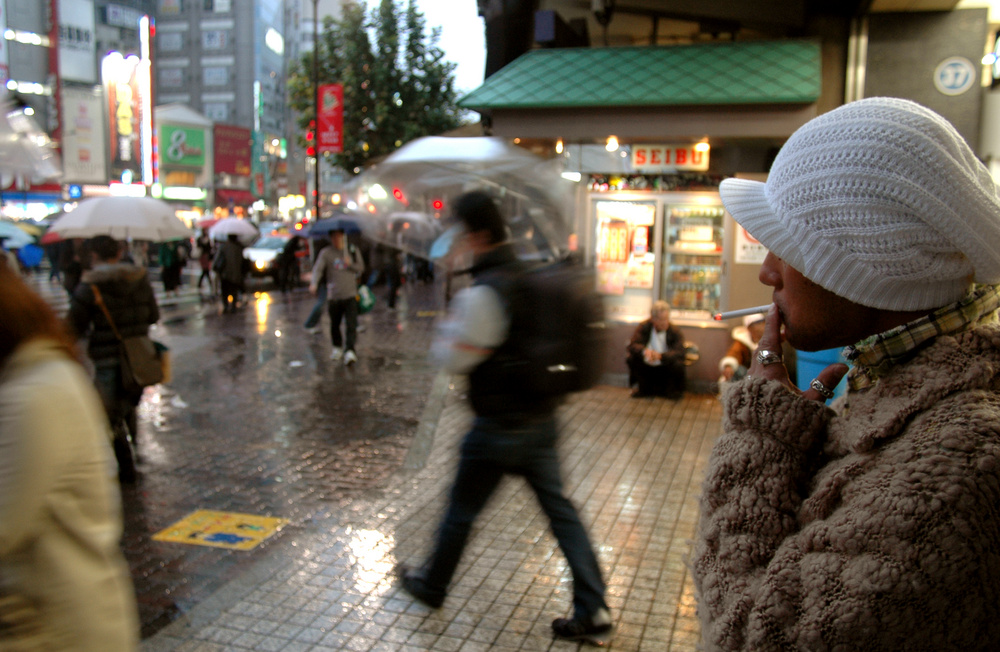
(231, 267)
(205, 253)
(288, 264)
(312, 321)
(392, 270)
(340, 264)
(871, 525)
(517, 437)
(64, 583)
(52, 255)
(73, 259)
(171, 263)
(125, 291)
(656, 356)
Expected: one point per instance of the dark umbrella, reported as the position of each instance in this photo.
(328, 225)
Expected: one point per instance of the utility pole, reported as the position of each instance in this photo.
(315, 76)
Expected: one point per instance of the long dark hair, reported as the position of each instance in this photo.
(24, 316)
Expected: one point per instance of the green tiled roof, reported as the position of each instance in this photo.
(751, 72)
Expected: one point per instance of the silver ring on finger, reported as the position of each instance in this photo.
(823, 390)
(766, 357)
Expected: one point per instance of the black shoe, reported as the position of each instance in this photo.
(415, 585)
(577, 629)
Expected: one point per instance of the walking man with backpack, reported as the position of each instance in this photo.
(514, 431)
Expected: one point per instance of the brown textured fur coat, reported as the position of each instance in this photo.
(875, 527)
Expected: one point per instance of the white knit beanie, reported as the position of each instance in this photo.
(880, 201)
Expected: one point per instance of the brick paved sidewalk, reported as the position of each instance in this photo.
(634, 469)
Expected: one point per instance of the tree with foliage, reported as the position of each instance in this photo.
(397, 85)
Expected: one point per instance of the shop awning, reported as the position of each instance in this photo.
(731, 73)
(238, 197)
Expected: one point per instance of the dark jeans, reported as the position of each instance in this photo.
(667, 379)
(346, 309)
(317, 311)
(490, 451)
(118, 404)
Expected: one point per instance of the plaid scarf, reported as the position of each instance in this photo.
(874, 356)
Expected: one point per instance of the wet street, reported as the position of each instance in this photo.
(258, 420)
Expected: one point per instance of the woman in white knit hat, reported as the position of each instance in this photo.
(873, 524)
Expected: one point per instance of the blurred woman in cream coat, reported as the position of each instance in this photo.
(64, 584)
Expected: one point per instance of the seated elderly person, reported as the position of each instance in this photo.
(870, 524)
(656, 356)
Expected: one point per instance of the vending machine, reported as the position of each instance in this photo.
(650, 246)
(692, 262)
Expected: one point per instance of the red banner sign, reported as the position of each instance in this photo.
(330, 126)
(232, 150)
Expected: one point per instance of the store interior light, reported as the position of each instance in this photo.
(559, 146)
(612, 144)
(702, 147)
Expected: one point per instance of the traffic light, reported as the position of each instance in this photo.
(437, 204)
(311, 139)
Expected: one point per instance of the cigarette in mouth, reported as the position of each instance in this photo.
(759, 310)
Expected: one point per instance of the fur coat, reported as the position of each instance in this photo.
(872, 527)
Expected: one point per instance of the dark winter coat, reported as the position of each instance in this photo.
(129, 298)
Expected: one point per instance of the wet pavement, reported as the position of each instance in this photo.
(259, 420)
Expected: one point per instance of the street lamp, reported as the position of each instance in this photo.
(315, 80)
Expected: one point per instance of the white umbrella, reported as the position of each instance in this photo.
(532, 193)
(245, 231)
(139, 218)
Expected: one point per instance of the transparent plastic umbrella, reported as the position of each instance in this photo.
(426, 175)
(138, 218)
(244, 231)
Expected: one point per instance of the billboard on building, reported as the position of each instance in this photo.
(4, 65)
(232, 150)
(183, 155)
(76, 41)
(83, 141)
(125, 87)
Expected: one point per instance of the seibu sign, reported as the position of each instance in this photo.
(669, 157)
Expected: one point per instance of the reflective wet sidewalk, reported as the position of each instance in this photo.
(633, 467)
(258, 420)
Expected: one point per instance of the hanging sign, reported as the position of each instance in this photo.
(330, 126)
(664, 158)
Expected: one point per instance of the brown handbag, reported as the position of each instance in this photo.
(142, 359)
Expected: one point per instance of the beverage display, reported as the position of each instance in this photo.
(692, 266)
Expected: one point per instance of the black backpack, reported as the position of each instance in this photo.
(558, 336)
